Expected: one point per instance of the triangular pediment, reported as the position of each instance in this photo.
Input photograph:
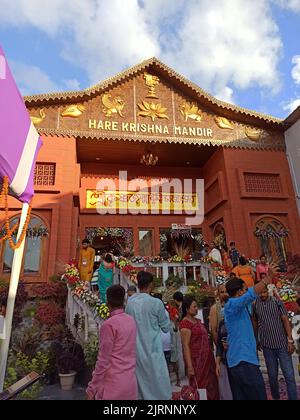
(151, 102)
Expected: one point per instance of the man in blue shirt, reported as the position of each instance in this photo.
(246, 377)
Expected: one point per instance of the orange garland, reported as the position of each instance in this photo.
(10, 231)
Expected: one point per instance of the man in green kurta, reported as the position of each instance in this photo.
(151, 317)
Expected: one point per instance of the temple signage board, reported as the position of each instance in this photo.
(141, 200)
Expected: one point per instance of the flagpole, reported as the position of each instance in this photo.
(13, 287)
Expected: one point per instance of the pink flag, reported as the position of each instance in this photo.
(19, 140)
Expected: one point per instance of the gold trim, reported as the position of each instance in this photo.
(94, 135)
(100, 87)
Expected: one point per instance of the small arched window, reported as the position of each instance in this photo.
(272, 237)
(35, 237)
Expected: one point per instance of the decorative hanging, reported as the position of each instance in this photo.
(10, 232)
(270, 232)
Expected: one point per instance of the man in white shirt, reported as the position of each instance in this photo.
(215, 254)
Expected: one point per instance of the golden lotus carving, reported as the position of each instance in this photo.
(191, 111)
(152, 110)
(73, 111)
(253, 134)
(112, 106)
(224, 123)
(151, 82)
(38, 120)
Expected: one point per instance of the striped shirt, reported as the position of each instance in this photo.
(271, 332)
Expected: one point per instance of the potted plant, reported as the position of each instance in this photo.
(69, 360)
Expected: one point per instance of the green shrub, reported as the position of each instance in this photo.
(91, 349)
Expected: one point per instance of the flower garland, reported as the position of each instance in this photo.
(9, 231)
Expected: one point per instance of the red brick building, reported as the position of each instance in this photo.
(150, 109)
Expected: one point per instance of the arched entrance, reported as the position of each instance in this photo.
(273, 239)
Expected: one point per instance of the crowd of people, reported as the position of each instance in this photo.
(143, 343)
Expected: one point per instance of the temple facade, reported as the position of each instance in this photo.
(137, 135)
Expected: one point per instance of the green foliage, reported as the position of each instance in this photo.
(91, 349)
(157, 282)
(27, 339)
(20, 365)
(174, 281)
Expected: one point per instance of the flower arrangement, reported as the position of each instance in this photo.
(72, 274)
(102, 310)
(176, 259)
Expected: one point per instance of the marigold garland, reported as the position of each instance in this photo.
(10, 231)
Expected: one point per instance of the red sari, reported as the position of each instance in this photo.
(202, 359)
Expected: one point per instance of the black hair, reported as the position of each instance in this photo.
(262, 256)
(178, 296)
(86, 241)
(144, 279)
(131, 289)
(115, 296)
(108, 258)
(261, 275)
(232, 243)
(157, 296)
(234, 285)
(242, 261)
(186, 304)
(231, 275)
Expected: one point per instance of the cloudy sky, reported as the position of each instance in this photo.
(245, 52)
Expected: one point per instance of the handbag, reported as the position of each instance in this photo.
(189, 392)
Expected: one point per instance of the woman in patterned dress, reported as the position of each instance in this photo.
(198, 355)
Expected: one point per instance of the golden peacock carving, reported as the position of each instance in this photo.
(112, 105)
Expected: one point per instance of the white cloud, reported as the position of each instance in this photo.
(225, 95)
(296, 69)
(214, 43)
(31, 79)
(293, 5)
(291, 105)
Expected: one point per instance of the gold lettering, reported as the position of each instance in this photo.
(132, 127)
(100, 125)
(185, 131)
(209, 132)
(115, 125)
(151, 128)
(166, 130)
(158, 129)
(125, 126)
(192, 131)
(144, 128)
(107, 125)
(92, 124)
(177, 131)
(199, 132)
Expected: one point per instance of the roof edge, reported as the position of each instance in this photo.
(77, 95)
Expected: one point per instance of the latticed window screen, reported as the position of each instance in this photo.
(44, 174)
(262, 183)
